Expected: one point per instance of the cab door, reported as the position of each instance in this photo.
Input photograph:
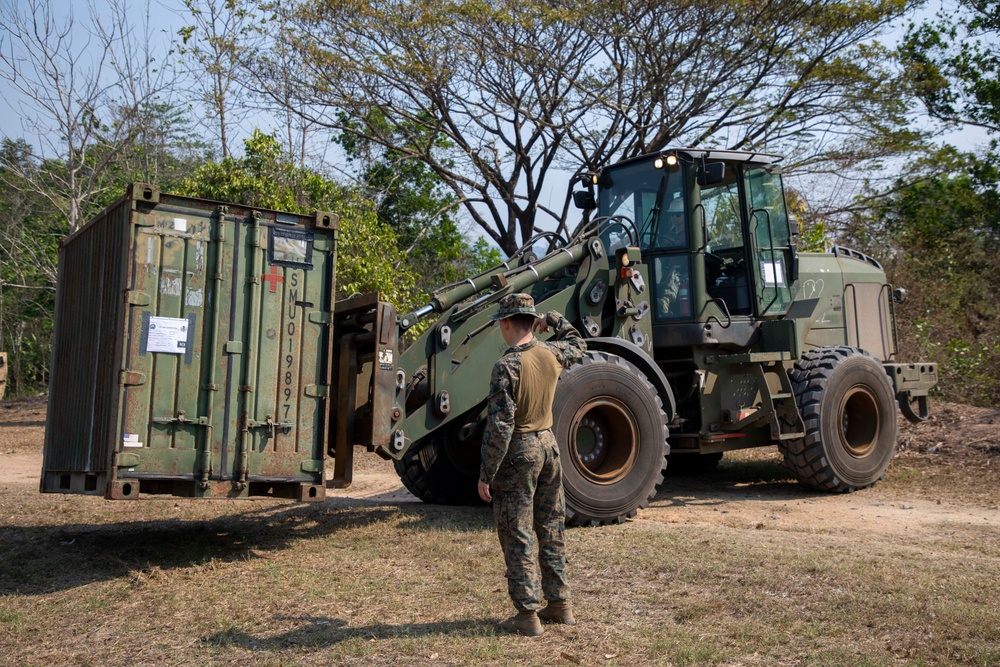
(772, 254)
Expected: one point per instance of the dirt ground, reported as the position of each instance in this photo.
(958, 438)
(740, 567)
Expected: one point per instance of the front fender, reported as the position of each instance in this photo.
(640, 359)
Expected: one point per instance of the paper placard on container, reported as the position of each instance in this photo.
(167, 334)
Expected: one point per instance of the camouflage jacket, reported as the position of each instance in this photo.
(568, 348)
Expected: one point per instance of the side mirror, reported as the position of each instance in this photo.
(584, 200)
(711, 173)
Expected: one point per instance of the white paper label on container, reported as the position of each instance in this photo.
(131, 440)
(180, 224)
(167, 334)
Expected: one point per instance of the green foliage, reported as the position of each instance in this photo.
(266, 177)
(812, 229)
(813, 238)
(30, 229)
(490, 96)
(953, 64)
(164, 150)
(484, 256)
(411, 199)
(945, 239)
(210, 47)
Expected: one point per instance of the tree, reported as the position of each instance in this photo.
(518, 88)
(70, 93)
(30, 230)
(954, 64)
(414, 202)
(266, 176)
(939, 237)
(210, 46)
(164, 151)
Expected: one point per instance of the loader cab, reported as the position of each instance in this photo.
(713, 229)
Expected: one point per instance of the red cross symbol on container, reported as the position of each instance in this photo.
(273, 279)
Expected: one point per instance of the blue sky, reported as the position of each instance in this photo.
(167, 16)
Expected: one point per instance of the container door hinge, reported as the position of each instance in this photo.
(234, 347)
(131, 378)
(316, 390)
(134, 298)
(317, 317)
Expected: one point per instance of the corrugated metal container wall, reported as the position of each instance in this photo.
(192, 351)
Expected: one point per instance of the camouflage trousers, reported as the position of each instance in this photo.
(528, 501)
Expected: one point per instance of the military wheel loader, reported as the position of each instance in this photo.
(708, 331)
(199, 351)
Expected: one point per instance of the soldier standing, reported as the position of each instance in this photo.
(520, 471)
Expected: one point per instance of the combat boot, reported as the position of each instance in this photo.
(557, 611)
(524, 623)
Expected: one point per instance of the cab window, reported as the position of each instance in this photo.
(769, 235)
(727, 282)
(649, 200)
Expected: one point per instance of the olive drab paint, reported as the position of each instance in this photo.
(192, 350)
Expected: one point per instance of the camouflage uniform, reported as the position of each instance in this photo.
(521, 463)
(669, 281)
(669, 288)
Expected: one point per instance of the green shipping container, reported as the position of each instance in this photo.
(192, 352)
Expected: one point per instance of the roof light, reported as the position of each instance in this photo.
(665, 161)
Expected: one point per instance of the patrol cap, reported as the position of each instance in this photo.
(516, 304)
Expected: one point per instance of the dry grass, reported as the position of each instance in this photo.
(719, 571)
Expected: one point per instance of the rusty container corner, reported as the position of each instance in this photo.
(191, 354)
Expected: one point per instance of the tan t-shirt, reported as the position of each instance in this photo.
(539, 374)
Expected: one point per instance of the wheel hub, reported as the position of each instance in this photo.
(604, 440)
(859, 423)
(590, 443)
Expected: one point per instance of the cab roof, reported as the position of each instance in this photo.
(714, 154)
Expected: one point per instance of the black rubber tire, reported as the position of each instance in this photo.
(692, 464)
(848, 408)
(442, 468)
(612, 434)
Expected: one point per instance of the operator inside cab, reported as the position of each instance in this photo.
(711, 225)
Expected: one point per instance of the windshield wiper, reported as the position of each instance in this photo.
(654, 213)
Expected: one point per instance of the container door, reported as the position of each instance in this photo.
(166, 420)
(286, 304)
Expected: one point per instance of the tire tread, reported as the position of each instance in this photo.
(805, 457)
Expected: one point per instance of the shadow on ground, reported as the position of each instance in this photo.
(320, 631)
(765, 479)
(37, 422)
(44, 559)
